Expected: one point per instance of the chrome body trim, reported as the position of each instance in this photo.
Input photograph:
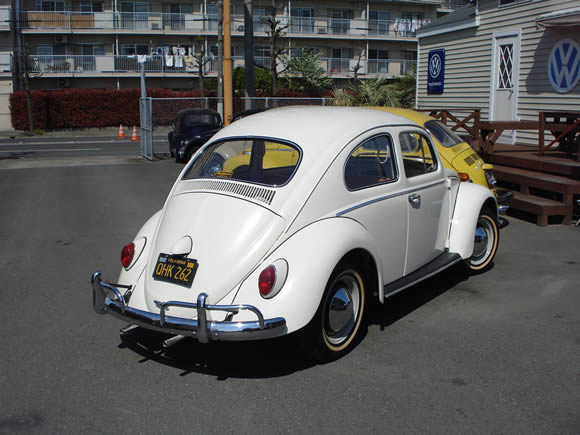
(107, 299)
(392, 195)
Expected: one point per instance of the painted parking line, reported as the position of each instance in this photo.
(92, 142)
(50, 151)
(68, 162)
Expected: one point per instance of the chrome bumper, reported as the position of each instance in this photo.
(108, 299)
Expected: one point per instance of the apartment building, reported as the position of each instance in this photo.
(100, 43)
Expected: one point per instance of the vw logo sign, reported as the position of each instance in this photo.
(435, 66)
(564, 65)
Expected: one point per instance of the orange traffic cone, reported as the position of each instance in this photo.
(121, 132)
(134, 137)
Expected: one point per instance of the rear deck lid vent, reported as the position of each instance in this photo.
(256, 193)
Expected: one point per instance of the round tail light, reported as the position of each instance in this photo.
(127, 255)
(267, 280)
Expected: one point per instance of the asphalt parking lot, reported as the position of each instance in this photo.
(497, 352)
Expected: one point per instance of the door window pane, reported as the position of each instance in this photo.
(371, 164)
(506, 61)
(418, 155)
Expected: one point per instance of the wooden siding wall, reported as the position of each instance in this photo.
(468, 62)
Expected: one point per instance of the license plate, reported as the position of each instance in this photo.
(175, 269)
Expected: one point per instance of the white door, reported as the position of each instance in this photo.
(505, 82)
(427, 201)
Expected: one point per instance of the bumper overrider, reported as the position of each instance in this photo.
(108, 299)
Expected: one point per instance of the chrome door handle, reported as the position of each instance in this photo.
(415, 200)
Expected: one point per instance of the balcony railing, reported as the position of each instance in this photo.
(109, 64)
(391, 67)
(136, 21)
(346, 66)
(106, 64)
(152, 21)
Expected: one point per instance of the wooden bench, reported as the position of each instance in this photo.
(541, 207)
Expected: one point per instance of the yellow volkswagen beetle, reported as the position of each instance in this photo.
(455, 152)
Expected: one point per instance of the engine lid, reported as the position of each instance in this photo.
(226, 236)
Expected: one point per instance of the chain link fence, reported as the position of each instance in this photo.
(159, 114)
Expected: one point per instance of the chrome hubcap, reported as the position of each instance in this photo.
(342, 309)
(483, 241)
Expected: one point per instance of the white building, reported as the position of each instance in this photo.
(96, 43)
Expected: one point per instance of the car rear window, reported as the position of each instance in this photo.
(444, 135)
(254, 160)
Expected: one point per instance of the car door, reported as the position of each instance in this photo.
(372, 176)
(427, 199)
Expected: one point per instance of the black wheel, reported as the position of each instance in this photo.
(485, 242)
(332, 331)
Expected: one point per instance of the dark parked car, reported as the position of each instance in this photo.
(192, 128)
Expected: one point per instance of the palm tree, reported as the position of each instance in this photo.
(377, 92)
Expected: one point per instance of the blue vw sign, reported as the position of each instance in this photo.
(435, 65)
(564, 66)
(436, 71)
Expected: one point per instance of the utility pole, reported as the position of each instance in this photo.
(141, 62)
(16, 46)
(228, 94)
(220, 60)
(26, 77)
(250, 91)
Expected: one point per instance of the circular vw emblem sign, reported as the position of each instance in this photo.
(435, 66)
(564, 65)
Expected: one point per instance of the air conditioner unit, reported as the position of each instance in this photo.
(64, 83)
(322, 30)
(155, 26)
(240, 28)
(61, 39)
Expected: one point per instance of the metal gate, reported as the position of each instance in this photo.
(159, 114)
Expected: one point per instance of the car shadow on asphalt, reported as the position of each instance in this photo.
(252, 359)
(280, 356)
(405, 302)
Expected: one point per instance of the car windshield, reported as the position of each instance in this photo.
(254, 160)
(444, 135)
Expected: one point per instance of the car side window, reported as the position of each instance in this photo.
(371, 163)
(418, 155)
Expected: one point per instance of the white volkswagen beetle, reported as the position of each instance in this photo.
(290, 220)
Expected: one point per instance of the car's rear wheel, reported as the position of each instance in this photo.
(333, 330)
(485, 242)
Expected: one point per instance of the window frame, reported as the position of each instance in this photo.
(187, 177)
(427, 137)
(395, 166)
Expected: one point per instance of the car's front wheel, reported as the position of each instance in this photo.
(332, 331)
(485, 242)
